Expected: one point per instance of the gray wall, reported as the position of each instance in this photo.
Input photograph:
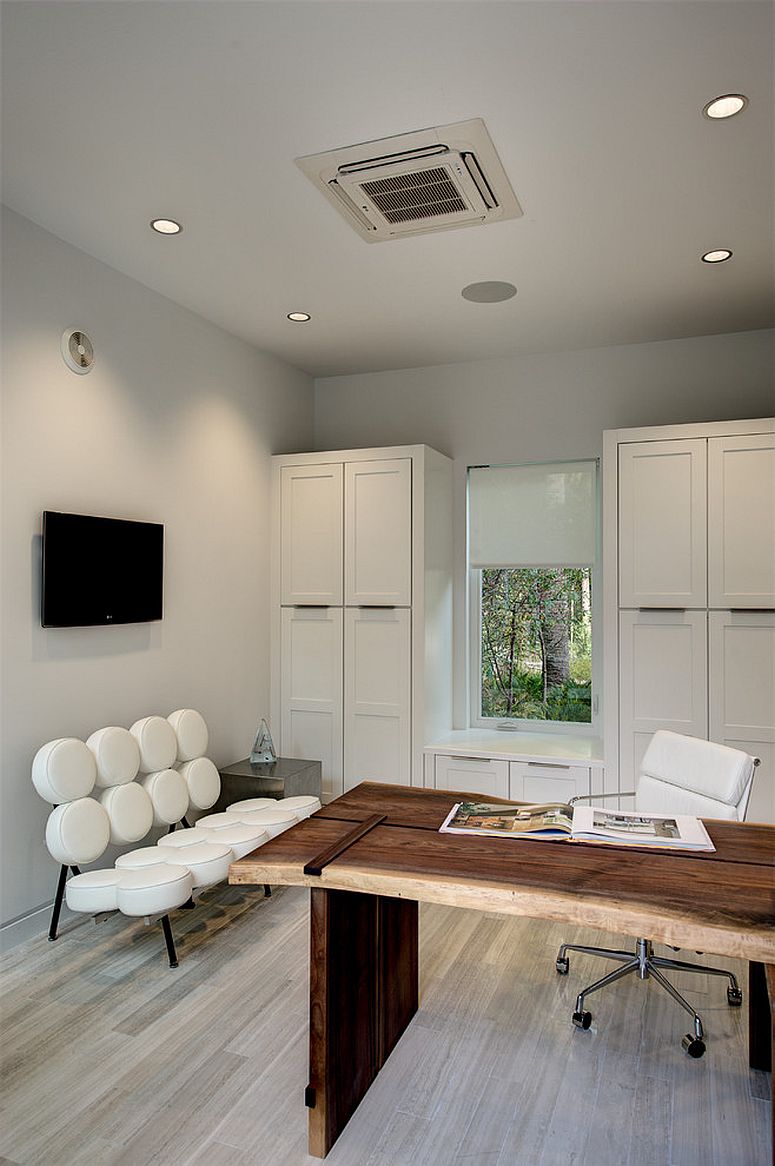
(174, 424)
(552, 405)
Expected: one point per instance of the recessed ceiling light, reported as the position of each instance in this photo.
(489, 291)
(727, 105)
(166, 226)
(299, 317)
(719, 256)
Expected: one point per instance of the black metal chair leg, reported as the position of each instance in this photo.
(186, 822)
(52, 931)
(170, 942)
(267, 891)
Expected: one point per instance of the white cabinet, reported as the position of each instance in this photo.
(377, 705)
(311, 688)
(742, 695)
(525, 767)
(362, 574)
(479, 775)
(686, 504)
(378, 532)
(663, 665)
(535, 781)
(311, 542)
(741, 521)
(662, 528)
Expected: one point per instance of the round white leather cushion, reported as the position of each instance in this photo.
(208, 861)
(157, 743)
(77, 832)
(169, 794)
(248, 804)
(64, 770)
(154, 889)
(218, 821)
(136, 859)
(130, 811)
(242, 839)
(203, 781)
(117, 756)
(273, 821)
(302, 805)
(191, 732)
(94, 890)
(189, 837)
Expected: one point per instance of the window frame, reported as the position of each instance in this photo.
(474, 612)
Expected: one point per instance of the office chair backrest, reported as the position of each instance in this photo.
(685, 775)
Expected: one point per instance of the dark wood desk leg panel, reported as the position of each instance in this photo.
(399, 983)
(363, 993)
(761, 1025)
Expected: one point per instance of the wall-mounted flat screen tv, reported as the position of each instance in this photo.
(100, 571)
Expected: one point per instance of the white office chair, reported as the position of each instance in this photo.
(679, 775)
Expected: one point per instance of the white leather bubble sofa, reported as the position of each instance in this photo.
(118, 785)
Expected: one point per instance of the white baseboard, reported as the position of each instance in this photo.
(33, 925)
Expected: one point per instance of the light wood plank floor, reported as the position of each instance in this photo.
(112, 1059)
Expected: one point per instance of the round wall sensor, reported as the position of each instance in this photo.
(77, 351)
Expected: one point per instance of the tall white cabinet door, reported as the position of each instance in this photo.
(662, 532)
(311, 689)
(311, 534)
(741, 521)
(742, 695)
(663, 671)
(377, 696)
(378, 532)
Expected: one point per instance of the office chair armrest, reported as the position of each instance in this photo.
(630, 793)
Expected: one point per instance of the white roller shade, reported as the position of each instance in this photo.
(540, 515)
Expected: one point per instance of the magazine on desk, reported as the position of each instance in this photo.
(554, 822)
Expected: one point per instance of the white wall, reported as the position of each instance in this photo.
(552, 405)
(544, 407)
(174, 424)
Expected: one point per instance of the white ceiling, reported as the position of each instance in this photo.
(116, 112)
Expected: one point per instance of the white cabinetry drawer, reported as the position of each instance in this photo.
(531, 781)
(472, 775)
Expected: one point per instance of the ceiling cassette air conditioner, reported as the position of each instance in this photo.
(411, 184)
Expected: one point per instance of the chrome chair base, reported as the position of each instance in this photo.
(646, 966)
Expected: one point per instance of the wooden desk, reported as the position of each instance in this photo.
(364, 971)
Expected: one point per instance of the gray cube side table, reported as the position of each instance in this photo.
(284, 778)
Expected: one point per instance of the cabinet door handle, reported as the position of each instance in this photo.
(549, 765)
(666, 609)
(474, 760)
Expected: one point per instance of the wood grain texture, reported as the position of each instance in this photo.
(363, 993)
(722, 902)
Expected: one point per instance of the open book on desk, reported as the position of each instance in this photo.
(554, 822)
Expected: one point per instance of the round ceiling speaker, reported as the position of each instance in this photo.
(77, 351)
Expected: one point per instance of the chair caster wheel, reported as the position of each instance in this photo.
(693, 1045)
(582, 1019)
(562, 964)
(734, 997)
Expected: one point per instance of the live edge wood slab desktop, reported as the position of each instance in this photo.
(372, 855)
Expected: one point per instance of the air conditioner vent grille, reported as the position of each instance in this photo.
(419, 195)
(411, 184)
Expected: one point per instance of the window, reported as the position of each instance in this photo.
(532, 534)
